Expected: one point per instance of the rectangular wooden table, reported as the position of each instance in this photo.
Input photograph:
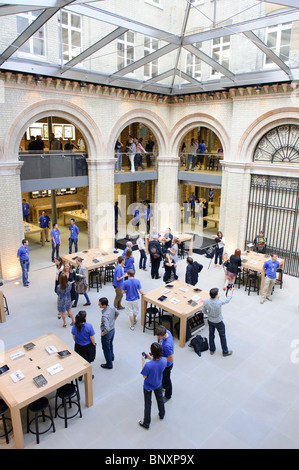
(75, 215)
(182, 309)
(36, 362)
(212, 218)
(183, 237)
(89, 257)
(255, 262)
(48, 207)
(29, 229)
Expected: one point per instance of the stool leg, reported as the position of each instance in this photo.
(51, 416)
(36, 427)
(65, 413)
(5, 429)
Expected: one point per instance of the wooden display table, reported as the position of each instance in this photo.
(212, 205)
(75, 215)
(182, 309)
(92, 259)
(48, 207)
(29, 229)
(255, 262)
(33, 363)
(212, 218)
(2, 309)
(183, 237)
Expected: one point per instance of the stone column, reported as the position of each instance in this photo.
(101, 203)
(234, 203)
(168, 208)
(11, 217)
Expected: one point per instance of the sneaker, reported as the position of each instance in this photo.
(141, 423)
(262, 301)
(121, 308)
(229, 353)
(166, 399)
(87, 303)
(269, 298)
(132, 328)
(212, 352)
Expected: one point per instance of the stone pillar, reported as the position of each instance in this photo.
(11, 217)
(101, 203)
(234, 203)
(168, 208)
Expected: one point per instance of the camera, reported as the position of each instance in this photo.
(228, 288)
(143, 354)
(217, 239)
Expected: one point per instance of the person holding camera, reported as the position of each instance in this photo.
(212, 308)
(220, 244)
(152, 372)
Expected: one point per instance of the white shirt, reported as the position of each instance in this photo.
(140, 244)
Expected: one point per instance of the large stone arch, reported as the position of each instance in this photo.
(186, 124)
(66, 110)
(146, 117)
(260, 127)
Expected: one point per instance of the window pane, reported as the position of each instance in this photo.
(64, 17)
(285, 37)
(22, 24)
(284, 53)
(76, 21)
(130, 36)
(155, 44)
(76, 39)
(38, 47)
(147, 42)
(272, 40)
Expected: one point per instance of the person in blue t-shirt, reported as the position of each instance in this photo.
(211, 195)
(25, 208)
(44, 223)
(74, 232)
(132, 288)
(84, 336)
(129, 261)
(56, 241)
(201, 150)
(23, 257)
(270, 267)
(166, 340)
(118, 281)
(152, 372)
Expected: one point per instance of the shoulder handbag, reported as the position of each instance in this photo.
(81, 286)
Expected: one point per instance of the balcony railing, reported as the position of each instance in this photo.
(205, 162)
(52, 164)
(129, 162)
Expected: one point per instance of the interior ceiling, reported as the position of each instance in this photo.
(173, 42)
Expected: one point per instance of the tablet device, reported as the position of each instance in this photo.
(39, 380)
(4, 369)
(163, 297)
(169, 285)
(191, 302)
(197, 290)
(64, 353)
(29, 346)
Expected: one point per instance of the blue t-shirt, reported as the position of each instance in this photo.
(55, 234)
(44, 221)
(153, 370)
(118, 272)
(74, 231)
(23, 253)
(129, 264)
(271, 268)
(201, 148)
(83, 338)
(25, 208)
(131, 286)
(167, 347)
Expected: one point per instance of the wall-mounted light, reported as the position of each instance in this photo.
(161, 97)
(211, 94)
(38, 78)
(132, 92)
(82, 84)
(180, 98)
(258, 88)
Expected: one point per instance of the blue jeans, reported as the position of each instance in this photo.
(77, 297)
(218, 255)
(166, 381)
(138, 161)
(220, 327)
(190, 159)
(142, 261)
(25, 270)
(118, 162)
(107, 346)
(148, 404)
(71, 241)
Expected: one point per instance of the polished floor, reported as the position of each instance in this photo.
(249, 400)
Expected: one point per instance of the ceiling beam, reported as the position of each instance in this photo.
(238, 28)
(268, 52)
(120, 21)
(94, 48)
(141, 62)
(283, 3)
(208, 60)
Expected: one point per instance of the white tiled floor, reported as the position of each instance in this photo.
(249, 400)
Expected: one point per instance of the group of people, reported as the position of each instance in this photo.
(195, 154)
(194, 207)
(36, 144)
(134, 150)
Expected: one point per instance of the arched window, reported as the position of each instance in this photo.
(280, 144)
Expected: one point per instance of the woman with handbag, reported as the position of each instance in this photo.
(81, 284)
(68, 270)
(84, 337)
(64, 298)
(233, 265)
